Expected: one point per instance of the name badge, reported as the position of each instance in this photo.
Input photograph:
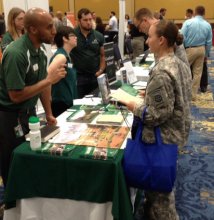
(35, 67)
(70, 65)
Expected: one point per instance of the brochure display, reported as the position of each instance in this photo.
(110, 61)
(92, 135)
(104, 88)
(130, 72)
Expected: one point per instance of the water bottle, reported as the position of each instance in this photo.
(35, 133)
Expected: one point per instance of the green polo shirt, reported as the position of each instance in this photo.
(86, 56)
(6, 40)
(22, 65)
(66, 89)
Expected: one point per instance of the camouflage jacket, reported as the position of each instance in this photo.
(167, 100)
(180, 52)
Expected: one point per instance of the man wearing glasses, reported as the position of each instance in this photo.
(88, 56)
(144, 18)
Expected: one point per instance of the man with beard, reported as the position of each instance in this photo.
(88, 56)
(24, 78)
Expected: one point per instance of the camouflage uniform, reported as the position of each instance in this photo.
(167, 99)
(180, 52)
(186, 81)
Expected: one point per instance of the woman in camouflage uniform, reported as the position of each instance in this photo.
(165, 104)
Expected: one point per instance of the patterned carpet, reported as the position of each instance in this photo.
(194, 189)
(195, 178)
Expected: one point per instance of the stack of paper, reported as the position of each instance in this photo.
(110, 117)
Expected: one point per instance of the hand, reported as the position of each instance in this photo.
(56, 69)
(98, 73)
(51, 120)
(142, 93)
(130, 105)
(56, 75)
(107, 27)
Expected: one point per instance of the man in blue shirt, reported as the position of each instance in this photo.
(198, 41)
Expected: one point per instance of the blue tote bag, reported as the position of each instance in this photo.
(150, 166)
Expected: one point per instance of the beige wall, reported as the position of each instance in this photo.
(59, 5)
(130, 8)
(1, 6)
(101, 7)
(175, 8)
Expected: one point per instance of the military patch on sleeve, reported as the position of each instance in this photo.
(157, 97)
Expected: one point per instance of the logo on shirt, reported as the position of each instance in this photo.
(95, 41)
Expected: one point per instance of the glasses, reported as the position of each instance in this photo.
(138, 26)
(71, 35)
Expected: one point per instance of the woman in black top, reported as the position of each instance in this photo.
(99, 25)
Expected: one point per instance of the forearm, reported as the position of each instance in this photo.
(18, 96)
(102, 63)
(55, 72)
(46, 100)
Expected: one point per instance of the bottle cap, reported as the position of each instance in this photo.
(33, 119)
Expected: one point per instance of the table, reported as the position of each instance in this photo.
(35, 176)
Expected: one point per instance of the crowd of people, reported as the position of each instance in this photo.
(174, 81)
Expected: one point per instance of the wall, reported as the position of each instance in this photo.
(1, 6)
(101, 7)
(176, 8)
(59, 5)
(130, 8)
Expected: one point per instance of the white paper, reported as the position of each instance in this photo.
(130, 72)
(140, 83)
(121, 95)
(88, 101)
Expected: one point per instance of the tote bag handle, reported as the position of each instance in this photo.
(138, 137)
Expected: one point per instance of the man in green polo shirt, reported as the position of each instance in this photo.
(88, 56)
(23, 79)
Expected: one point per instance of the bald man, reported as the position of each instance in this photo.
(24, 78)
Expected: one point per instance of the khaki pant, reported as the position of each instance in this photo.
(195, 57)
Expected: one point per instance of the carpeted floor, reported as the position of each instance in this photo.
(194, 189)
(195, 179)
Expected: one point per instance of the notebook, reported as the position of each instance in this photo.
(49, 131)
(110, 117)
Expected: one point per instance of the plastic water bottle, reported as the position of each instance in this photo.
(35, 133)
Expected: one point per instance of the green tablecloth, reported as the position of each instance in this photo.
(71, 177)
